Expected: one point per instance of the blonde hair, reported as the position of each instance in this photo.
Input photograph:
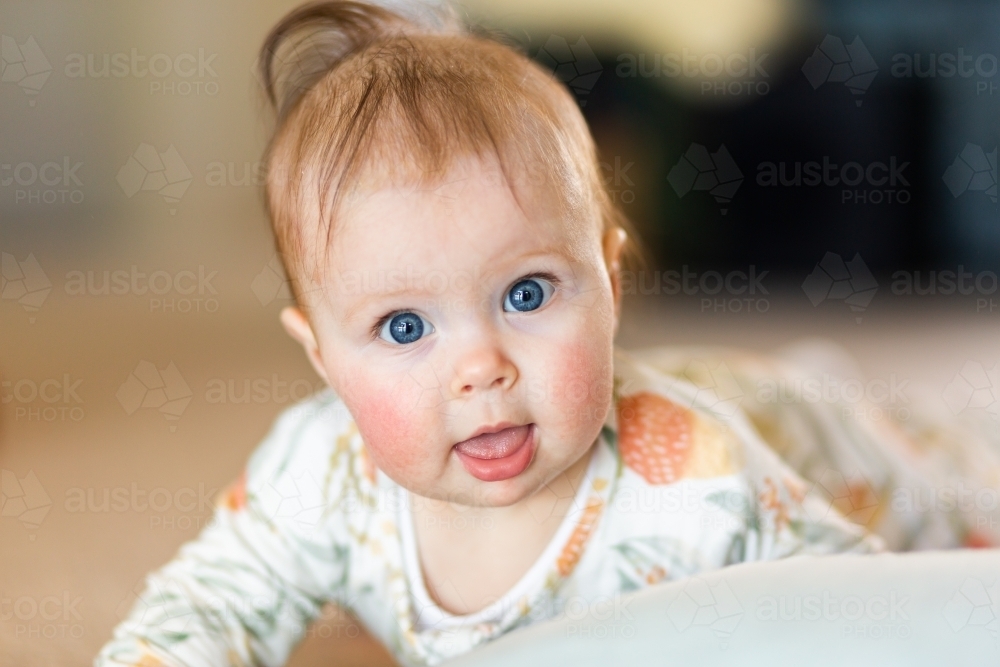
(362, 93)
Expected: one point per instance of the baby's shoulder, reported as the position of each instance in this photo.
(312, 456)
(669, 429)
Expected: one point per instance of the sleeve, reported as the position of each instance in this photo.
(746, 503)
(786, 515)
(244, 591)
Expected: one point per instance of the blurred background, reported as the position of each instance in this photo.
(794, 169)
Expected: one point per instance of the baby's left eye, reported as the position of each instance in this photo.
(528, 294)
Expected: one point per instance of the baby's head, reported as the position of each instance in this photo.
(452, 249)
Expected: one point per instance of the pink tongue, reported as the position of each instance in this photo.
(494, 445)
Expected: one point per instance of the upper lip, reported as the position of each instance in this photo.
(495, 428)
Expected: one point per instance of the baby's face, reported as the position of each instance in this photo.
(450, 312)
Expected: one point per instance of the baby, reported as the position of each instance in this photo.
(483, 456)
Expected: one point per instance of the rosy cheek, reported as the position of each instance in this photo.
(583, 375)
(388, 421)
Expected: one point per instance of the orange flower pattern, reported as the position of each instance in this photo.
(234, 497)
(654, 436)
(574, 546)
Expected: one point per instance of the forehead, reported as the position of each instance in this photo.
(472, 219)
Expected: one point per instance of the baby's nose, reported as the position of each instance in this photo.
(482, 369)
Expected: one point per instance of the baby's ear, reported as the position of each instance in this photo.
(298, 327)
(612, 244)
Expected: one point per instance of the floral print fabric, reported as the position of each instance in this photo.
(679, 482)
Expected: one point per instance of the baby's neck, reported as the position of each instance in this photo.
(471, 555)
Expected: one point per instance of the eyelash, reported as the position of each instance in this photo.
(544, 275)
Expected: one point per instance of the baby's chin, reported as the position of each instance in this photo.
(471, 492)
(461, 488)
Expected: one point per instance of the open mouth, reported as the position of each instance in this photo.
(500, 455)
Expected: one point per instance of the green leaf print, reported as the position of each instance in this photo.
(643, 561)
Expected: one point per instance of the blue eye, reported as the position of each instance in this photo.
(527, 295)
(405, 328)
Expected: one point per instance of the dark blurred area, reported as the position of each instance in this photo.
(882, 97)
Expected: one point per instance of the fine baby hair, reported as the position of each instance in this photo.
(365, 96)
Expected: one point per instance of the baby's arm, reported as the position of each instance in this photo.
(245, 590)
(786, 515)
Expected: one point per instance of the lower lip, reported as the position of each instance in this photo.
(495, 470)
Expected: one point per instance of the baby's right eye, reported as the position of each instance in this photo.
(404, 328)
